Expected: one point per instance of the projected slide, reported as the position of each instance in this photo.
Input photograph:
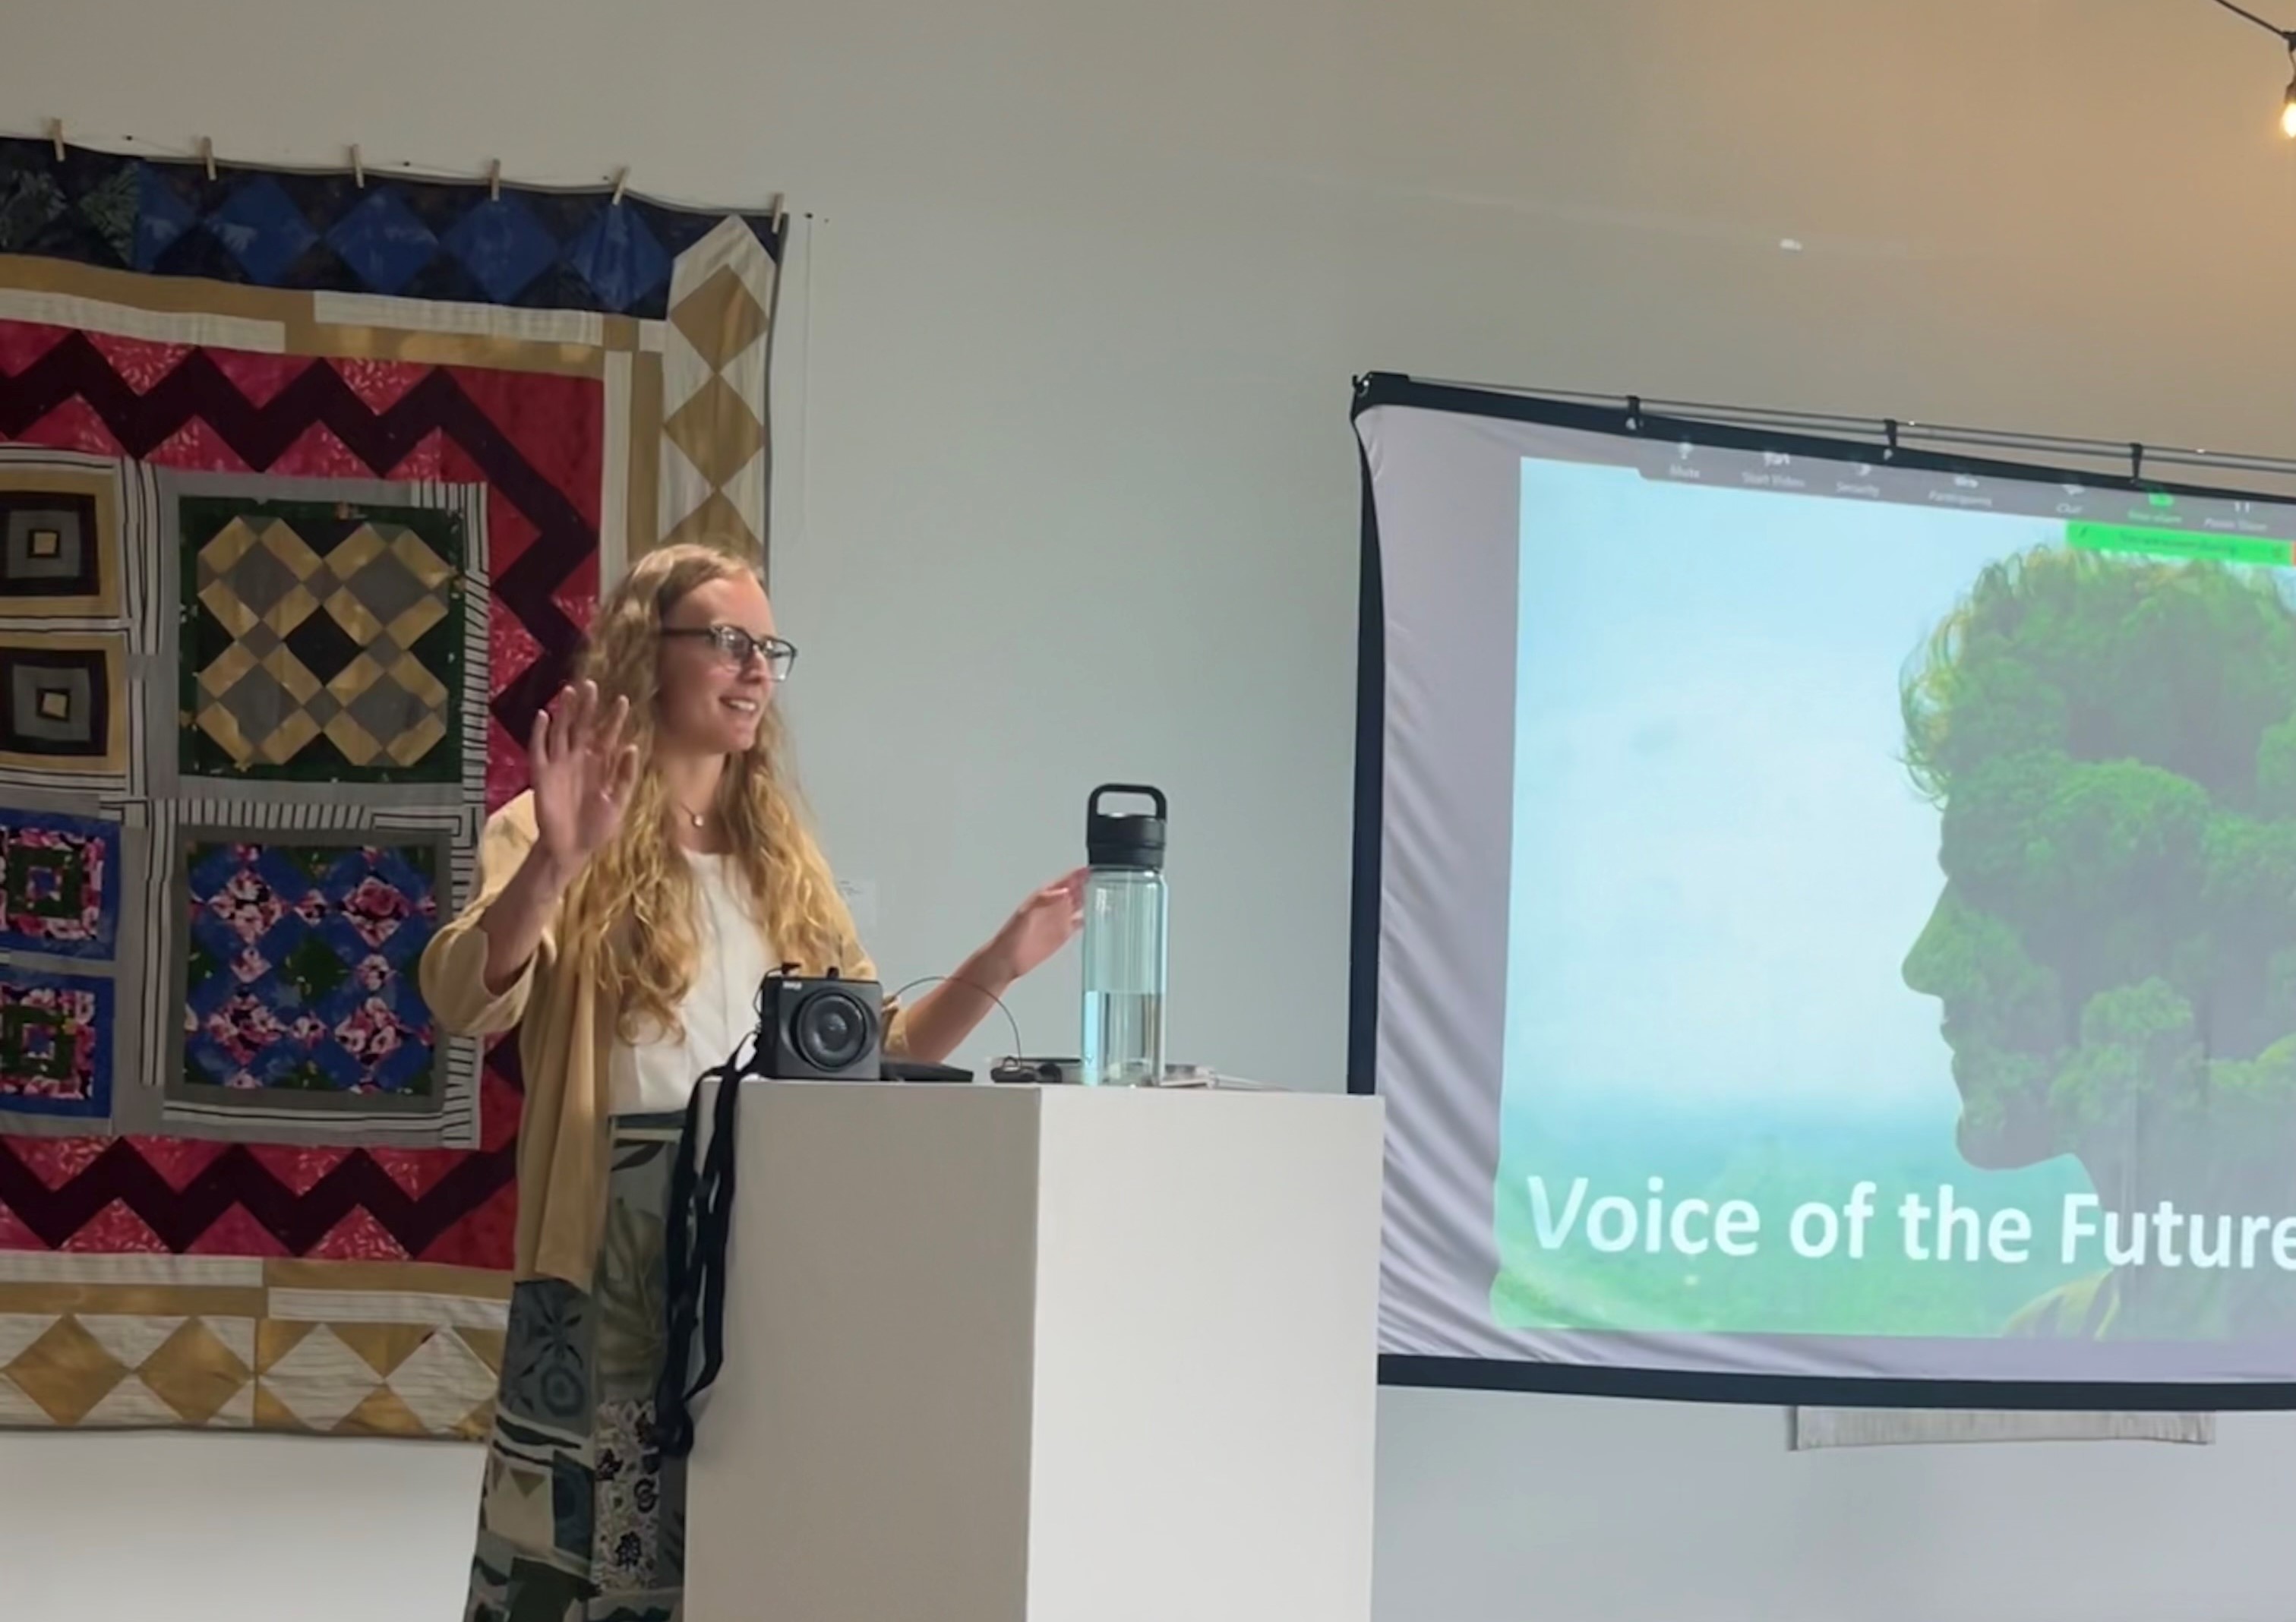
(1832, 921)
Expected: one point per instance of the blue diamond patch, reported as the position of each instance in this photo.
(162, 216)
(264, 230)
(382, 242)
(617, 256)
(503, 247)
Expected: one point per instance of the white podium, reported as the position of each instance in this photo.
(1001, 1353)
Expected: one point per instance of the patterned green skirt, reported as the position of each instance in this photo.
(581, 1518)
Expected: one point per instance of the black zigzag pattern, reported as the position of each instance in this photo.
(236, 1177)
(199, 390)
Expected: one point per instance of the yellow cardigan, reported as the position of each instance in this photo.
(565, 1037)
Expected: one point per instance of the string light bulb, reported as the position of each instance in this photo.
(2287, 37)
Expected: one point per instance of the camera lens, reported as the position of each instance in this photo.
(830, 1031)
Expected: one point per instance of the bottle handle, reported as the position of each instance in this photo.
(1092, 804)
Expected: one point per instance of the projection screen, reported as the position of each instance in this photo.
(1826, 915)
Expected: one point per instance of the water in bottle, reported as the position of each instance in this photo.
(1123, 951)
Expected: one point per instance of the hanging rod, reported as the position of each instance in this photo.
(1835, 425)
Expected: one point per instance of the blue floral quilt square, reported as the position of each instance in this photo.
(299, 964)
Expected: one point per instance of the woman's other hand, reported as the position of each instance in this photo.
(1040, 926)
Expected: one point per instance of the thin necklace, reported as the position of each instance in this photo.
(699, 819)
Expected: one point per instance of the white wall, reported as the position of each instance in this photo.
(235, 1528)
(1088, 289)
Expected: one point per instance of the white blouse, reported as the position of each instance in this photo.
(658, 1075)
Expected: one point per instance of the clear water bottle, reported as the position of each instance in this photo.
(1124, 920)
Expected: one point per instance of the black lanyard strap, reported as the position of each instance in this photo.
(698, 1225)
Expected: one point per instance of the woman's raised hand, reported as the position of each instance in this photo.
(583, 772)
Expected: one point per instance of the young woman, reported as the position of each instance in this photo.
(628, 908)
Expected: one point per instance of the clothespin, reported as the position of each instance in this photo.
(207, 154)
(494, 180)
(56, 131)
(621, 179)
(358, 168)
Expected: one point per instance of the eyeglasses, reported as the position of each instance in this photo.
(736, 647)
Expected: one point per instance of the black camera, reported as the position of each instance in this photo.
(828, 1028)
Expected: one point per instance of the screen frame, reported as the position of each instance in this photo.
(1629, 418)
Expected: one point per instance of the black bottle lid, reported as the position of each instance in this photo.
(1130, 839)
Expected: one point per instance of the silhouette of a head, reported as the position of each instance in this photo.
(2111, 743)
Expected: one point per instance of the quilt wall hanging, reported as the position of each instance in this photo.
(307, 490)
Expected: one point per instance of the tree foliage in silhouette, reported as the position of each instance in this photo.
(2111, 743)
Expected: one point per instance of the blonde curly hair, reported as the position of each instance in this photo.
(629, 919)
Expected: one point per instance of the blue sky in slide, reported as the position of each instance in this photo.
(1719, 862)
